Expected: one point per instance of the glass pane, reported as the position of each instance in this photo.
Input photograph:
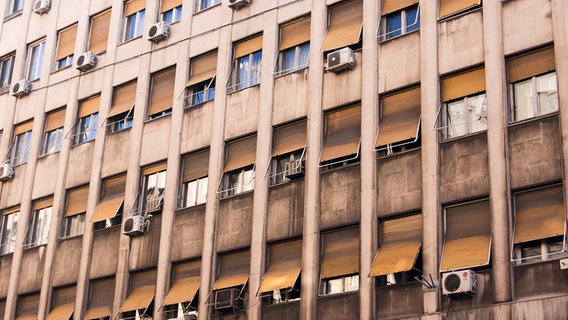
(9, 224)
(255, 67)
(334, 286)
(5, 72)
(477, 113)
(243, 69)
(394, 25)
(22, 147)
(523, 95)
(202, 190)
(555, 244)
(547, 93)
(352, 283)
(531, 251)
(177, 14)
(235, 182)
(168, 16)
(190, 193)
(288, 59)
(248, 180)
(36, 61)
(457, 119)
(304, 55)
(412, 19)
(139, 23)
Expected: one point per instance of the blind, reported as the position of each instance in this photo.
(401, 240)
(42, 204)
(234, 270)
(28, 305)
(76, 201)
(240, 153)
(10, 211)
(468, 236)
(342, 133)
(340, 253)
(530, 65)
(114, 187)
(64, 303)
(162, 95)
(142, 288)
(66, 45)
(284, 268)
(55, 120)
(89, 106)
(155, 168)
(295, 33)
(195, 166)
(101, 298)
(186, 283)
(134, 6)
(390, 6)
(112, 200)
(123, 98)
(100, 26)
(23, 127)
(448, 7)
(539, 214)
(344, 25)
(289, 138)
(463, 84)
(248, 46)
(400, 117)
(169, 4)
(203, 67)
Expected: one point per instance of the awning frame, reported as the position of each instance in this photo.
(399, 143)
(269, 173)
(282, 290)
(341, 159)
(208, 299)
(221, 188)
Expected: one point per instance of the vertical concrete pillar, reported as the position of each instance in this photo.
(430, 102)
(496, 94)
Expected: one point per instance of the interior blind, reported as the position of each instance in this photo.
(448, 7)
(162, 95)
(342, 133)
(289, 138)
(234, 270)
(76, 201)
(10, 211)
(123, 98)
(295, 33)
(344, 26)
(23, 127)
(284, 268)
(101, 298)
(390, 6)
(100, 26)
(539, 214)
(55, 120)
(89, 106)
(169, 4)
(195, 166)
(400, 117)
(134, 6)
(248, 46)
(203, 67)
(340, 253)
(530, 65)
(468, 236)
(240, 153)
(66, 45)
(42, 204)
(463, 84)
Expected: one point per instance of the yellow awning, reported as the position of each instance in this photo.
(342, 133)
(400, 117)
(139, 298)
(98, 312)
(340, 253)
(230, 281)
(183, 290)
(345, 25)
(62, 312)
(284, 268)
(107, 209)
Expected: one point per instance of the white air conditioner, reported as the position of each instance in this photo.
(294, 169)
(86, 61)
(159, 31)
(134, 225)
(42, 6)
(340, 60)
(459, 284)
(6, 172)
(228, 300)
(21, 88)
(238, 4)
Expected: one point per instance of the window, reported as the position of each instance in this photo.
(345, 23)
(8, 231)
(238, 181)
(233, 274)
(72, 226)
(340, 284)
(139, 303)
(38, 227)
(75, 210)
(120, 121)
(201, 84)
(66, 47)
(342, 135)
(27, 306)
(246, 64)
(35, 60)
(21, 148)
(109, 211)
(281, 282)
(162, 93)
(464, 109)
(293, 161)
(239, 170)
(533, 82)
(294, 47)
(182, 298)
(340, 261)
(154, 184)
(171, 11)
(101, 296)
(15, 6)
(121, 112)
(53, 134)
(399, 22)
(450, 8)
(62, 302)
(288, 151)
(194, 177)
(86, 126)
(134, 19)
(6, 69)
(98, 38)
(540, 225)
(293, 59)
(204, 4)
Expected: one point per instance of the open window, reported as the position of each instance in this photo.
(247, 58)
(62, 303)
(194, 179)
(100, 299)
(122, 109)
(65, 47)
(153, 187)
(398, 258)
(342, 137)
(467, 236)
(75, 210)
(140, 300)
(450, 8)
(20, 148)
(239, 170)
(170, 11)
(200, 5)
(98, 38)
(399, 122)
(345, 24)
(399, 17)
(228, 291)
(36, 51)
(182, 298)
(85, 128)
(134, 12)
(340, 261)
(534, 89)
(53, 132)
(38, 225)
(6, 70)
(281, 280)
(27, 306)
(9, 228)
(294, 49)
(540, 225)
(109, 211)
(288, 153)
(162, 93)
(201, 85)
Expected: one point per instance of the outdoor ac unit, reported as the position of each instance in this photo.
(238, 4)
(86, 61)
(228, 300)
(159, 31)
(340, 60)
(21, 88)
(42, 6)
(459, 284)
(6, 172)
(134, 225)
(294, 169)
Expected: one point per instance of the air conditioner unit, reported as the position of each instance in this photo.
(340, 60)
(459, 284)
(42, 6)
(228, 300)
(86, 61)
(21, 88)
(134, 225)
(294, 169)
(159, 31)
(238, 4)
(6, 172)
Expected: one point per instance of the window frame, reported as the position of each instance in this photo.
(15, 7)
(36, 229)
(208, 93)
(252, 79)
(158, 197)
(545, 253)
(276, 177)
(325, 289)
(6, 72)
(225, 187)
(126, 119)
(18, 159)
(72, 226)
(8, 241)
(90, 133)
(46, 147)
(176, 12)
(279, 71)
(199, 5)
(535, 99)
(136, 19)
(200, 184)
(35, 60)
(403, 14)
(467, 104)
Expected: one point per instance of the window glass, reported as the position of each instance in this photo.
(523, 108)
(73, 226)
(412, 18)
(238, 181)
(204, 4)
(36, 60)
(38, 228)
(195, 192)
(65, 62)
(201, 92)
(8, 233)
(87, 128)
(22, 148)
(341, 284)
(15, 6)
(246, 71)
(52, 141)
(278, 166)
(400, 22)
(134, 25)
(466, 116)
(547, 93)
(172, 15)
(154, 186)
(6, 67)
(535, 97)
(394, 25)
(120, 121)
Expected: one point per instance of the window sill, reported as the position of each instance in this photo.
(28, 247)
(131, 40)
(464, 136)
(333, 295)
(291, 71)
(6, 254)
(397, 37)
(460, 13)
(13, 15)
(521, 122)
(281, 304)
(5, 89)
(42, 156)
(197, 105)
(399, 153)
(63, 68)
(81, 143)
(236, 195)
(102, 230)
(110, 133)
(276, 185)
(207, 9)
(158, 117)
(69, 237)
(194, 206)
(241, 89)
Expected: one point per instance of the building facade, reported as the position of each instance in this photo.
(283, 159)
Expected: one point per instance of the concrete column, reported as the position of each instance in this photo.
(496, 94)
(369, 108)
(430, 102)
(310, 241)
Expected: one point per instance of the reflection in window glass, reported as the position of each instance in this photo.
(86, 128)
(466, 116)
(8, 233)
(172, 15)
(52, 141)
(134, 25)
(36, 61)
(535, 97)
(21, 148)
(38, 228)
(73, 225)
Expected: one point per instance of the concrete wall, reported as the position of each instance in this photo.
(242, 111)
(80, 161)
(197, 125)
(541, 279)
(235, 222)
(66, 264)
(343, 87)
(5, 269)
(340, 197)
(283, 311)
(339, 307)
(116, 149)
(33, 263)
(399, 183)
(144, 248)
(526, 24)
(398, 66)
(291, 85)
(187, 235)
(285, 211)
(46, 174)
(105, 252)
(399, 301)
(155, 141)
